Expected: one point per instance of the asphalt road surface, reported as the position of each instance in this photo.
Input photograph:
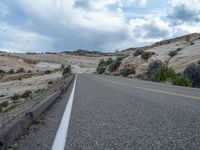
(113, 113)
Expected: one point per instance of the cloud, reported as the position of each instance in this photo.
(182, 13)
(151, 28)
(15, 39)
(92, 24)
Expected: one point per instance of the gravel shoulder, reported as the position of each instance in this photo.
(42, 132)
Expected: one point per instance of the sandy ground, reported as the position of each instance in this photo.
(34, 83)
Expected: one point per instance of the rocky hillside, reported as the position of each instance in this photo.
(176, 53)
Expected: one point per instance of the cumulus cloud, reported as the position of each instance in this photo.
(182, 13)
(91, 24)
(149, 28)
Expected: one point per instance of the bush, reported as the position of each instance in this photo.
(127, 71)
(198, 62)
(2, 95)
(109, 61)
(138, 52)
(163, 73)
(102, 63)
(182, 80)
(3, 104)
(50, 82)
(114, 65)
(193, 72)
(101, 70)
(179, 49)
(2, 72)
(29, 71)
(47, 72)
(67, 71)
(20, 70)
(153, 67)
(147, 55)
(192, 43)
(11, 71)
(172, 53)
(15, 97)
(26, 94)
(120, 58)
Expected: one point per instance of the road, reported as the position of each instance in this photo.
(114, 113)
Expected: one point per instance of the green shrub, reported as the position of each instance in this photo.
(153, 67)
(147, 55)
(15, 97)
(192, 43)
(120, 58)
(179, 49)
(50, 82)
(193, 72)
(29, 71)
(101, 70)
(198, 62)
(163, 73)
(127, 71)
(11, 71)
(67, 71)
(11, 106)
(109, 61)
(182, 80)
(2, 72)
(172, 53)
(3, 105)
(102, 63)
(26, 94)
(114, 65)
(47, 72)
(20, 70)
(138, 52)
(2, 95)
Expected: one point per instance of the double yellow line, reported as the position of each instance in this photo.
(153, 90)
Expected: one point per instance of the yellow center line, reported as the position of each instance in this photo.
(153, 90)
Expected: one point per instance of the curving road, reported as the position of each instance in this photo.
(113, 113)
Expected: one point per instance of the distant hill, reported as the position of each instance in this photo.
(81, 52)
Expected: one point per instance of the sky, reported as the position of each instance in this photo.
(102, 25)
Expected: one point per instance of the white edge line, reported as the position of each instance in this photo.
(61, 135)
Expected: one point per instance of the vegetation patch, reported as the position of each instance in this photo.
(193, 73)
(165, 73)
(3, 105)
(101, 69)
(50, 82)
(114, 65)
(47, 72)
(147, 55)
(182, 80)
(2, 72)
(138, 52)
(173, 53)
(127, 71)
(67, 71)
(153, 67)
(20, 70)
(26, 94)
(11, 71)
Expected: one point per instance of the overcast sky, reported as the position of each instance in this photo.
(104, 25)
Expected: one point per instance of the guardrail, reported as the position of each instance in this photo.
(15, 128)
